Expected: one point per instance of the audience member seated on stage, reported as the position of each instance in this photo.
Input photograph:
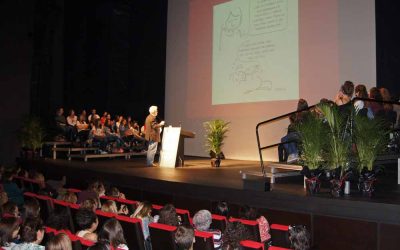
(67, 196)
(10, 209)
(31, 209)
(72, 119)
(89, 193)
(390, 114)
(113, 233)
(9, 229)
(90, 204)
(83, 116)
(202, 221)
(291, 151)
(299, 238)
(114, 192)
(222, 208)
(110, 206)
(62, 126)
(104, 118)
(32, 233)
(93, 116)
(14, 193)
(234, 233)
(143, 212)
(118, 122)
(59, 219)
(184, 237)
(87, 221)
(168, 216)
(251, 213)
(60, 241)
(376, 107)
(360, 106)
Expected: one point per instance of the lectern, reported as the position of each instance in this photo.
(173, 146)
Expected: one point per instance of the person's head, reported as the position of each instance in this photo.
(9, 229)
(59, 219)
(120, 118)
(72, 112)
(184, 237)
(10, 209)
(248, 213)
(153, 110)
(60, 241)
(234, 233)
(3, 198)
(69, 197)
(385, 94)
(100, 189)
(31, 208)
(105, 114)
(202, 220)
(86, 220)
(90, 204)
(83, 113)
(108, 117)
(23, 173)
(222, 209)
(124, 122)
(361, 91)
(347, 88)
(375, 94)
(168, 215)
(143, 210)
(60, 111)
(109, 206)
(113, 192)
(299, 238)
(93, 111)
(302, 104)
(112, 232)
(32, 231)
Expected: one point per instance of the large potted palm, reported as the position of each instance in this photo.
(311, 137)
(31, 136)
(371, 138)
(216, 131)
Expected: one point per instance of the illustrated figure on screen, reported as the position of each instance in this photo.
(249, 77)
(152, 134)
(231, 26)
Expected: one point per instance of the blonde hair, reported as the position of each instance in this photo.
(143, 210)
(109, 207)
(59, 242)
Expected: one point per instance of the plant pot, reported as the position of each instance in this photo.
(313, 185)
(215, 162)
(337, 188)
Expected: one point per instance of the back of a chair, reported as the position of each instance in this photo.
(162, 236)
(59, 205)
(251, 225)
(280, 235)
(103, 217)
(203, 241)
(251, 245)
(46, 206)
(133, 230)
(278, 248)
(218, 222)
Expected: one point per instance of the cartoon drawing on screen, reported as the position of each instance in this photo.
(231, 26)
(248, 76)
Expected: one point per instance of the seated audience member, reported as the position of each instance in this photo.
(10, 209)
(67, 196)
(9, 229)
(360, 106)
(202, 221)
(184, 237)
(222, 209)
(299, 238)
(390, 114)
(82, 116)
(376, 107)
(93, 116)
(89, 193)
(251, 213)
(110, 206)
(104, 118)
(60, 241)
(82, 129)
(3, 200)
(14, 193)
(114, 192)
(90, 204)
(291, 150)
(72, 119)
(61, 124)
(100, 245)
(87, 221)
(235, 232)
(32, 233)
(113, 233)
(31, 209)
(143, 212)
(168, 216)
(59, 219)
(344, 96)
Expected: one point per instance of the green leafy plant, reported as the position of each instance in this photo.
(216, 131)
(371, 138)
(31, 134)
(312, 141)
(338, 138)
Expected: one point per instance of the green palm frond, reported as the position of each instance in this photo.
(31, 134)
(216, 131)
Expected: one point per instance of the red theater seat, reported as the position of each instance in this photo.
(103, 217)
(251, 225)
(133, 231)
(277, 248)
(58, 205)
(249, 245)
(280, 235)
(204, 241)
(162, 236)
(218, 222)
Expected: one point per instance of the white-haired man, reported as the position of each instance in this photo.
(152, 134)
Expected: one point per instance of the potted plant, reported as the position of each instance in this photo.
(31, 136)
(371, 138)
(338, 148)
(214, 139)
(311, 134)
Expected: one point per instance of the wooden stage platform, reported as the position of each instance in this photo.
(198, 186)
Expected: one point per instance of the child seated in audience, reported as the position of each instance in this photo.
(9, 229)
(31, 209)
(143, 212)
(251, 213)
(114, 192)
(60, 241)
(202, 221)
(234, 233)
(87, 221)
(90, 204)
(110, 206)
(168, 216)
(113, 233)
(299, 238)
(32, 233)
(184, 237)
(67, 196)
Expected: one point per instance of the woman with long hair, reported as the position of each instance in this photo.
(113, 234)
(143, 212)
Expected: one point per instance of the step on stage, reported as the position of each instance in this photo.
(361, 222)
